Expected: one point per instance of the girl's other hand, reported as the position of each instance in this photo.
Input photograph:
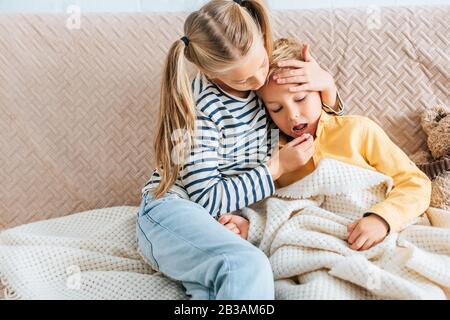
(235, 223)
(292, 156)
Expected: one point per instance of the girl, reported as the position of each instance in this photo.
(213, 153)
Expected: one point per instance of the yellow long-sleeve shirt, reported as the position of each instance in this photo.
(359, 141)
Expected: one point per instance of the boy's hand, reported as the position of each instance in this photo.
(309, 75)
(235, 223)
(366, 232)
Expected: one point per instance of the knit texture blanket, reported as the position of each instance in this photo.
(303, 230)
(93, 254)
(88, 255)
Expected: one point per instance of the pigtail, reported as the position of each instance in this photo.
(176, 118)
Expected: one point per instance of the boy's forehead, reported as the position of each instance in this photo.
(272, 91)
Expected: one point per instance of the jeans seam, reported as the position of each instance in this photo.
(228, 264)
(153, 256)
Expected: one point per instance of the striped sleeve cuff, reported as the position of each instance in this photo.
(268, 183)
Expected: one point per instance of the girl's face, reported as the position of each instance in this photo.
(249, 74)
(295, 113)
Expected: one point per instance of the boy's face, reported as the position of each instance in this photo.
(295, 113)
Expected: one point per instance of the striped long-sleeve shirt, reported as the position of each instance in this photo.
(233, 139)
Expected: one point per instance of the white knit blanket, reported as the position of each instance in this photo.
(88, 255)
(93, 254)
(303, 230)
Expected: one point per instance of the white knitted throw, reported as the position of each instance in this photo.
(93, 254)
(303, 230)
(88, 255)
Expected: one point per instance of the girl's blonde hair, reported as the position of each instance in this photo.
(220, 34)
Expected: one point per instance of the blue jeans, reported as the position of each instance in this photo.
(183, 241)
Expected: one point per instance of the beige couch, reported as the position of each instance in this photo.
(78, 106)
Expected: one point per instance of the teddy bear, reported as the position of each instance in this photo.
(435, 163)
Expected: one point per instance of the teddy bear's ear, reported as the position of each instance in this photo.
(431, 117)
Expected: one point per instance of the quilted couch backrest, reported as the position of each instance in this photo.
(79, 106)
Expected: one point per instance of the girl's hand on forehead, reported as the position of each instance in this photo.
(305, 75)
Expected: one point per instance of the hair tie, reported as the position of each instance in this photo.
(185, 39)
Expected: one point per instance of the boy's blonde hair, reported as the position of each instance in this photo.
(220, 34)
(284, 49)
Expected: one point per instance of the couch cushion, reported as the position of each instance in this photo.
(79, 106)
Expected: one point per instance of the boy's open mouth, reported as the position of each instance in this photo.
(299, 129)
